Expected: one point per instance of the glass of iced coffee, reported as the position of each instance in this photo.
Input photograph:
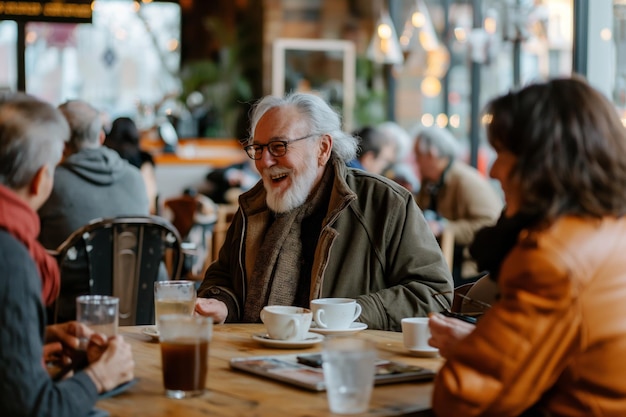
(185, 353)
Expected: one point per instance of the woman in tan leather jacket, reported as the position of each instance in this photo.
(554, 343)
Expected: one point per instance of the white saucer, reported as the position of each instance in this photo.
(309, 340)
(151, 331)
(354, 327)
(428, 352)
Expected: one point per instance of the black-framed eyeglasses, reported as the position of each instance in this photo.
(276, 148)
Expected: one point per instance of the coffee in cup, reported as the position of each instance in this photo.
(286, 322)
(335, 313)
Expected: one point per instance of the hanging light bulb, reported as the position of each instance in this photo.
(418, 19)
(426, 55)
(384, 47)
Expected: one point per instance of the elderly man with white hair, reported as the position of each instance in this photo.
(312, 227)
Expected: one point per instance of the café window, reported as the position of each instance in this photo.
(125, 62)
(8, 55)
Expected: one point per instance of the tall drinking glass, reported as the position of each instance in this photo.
(101, 314)
(349, 367)
(185, 353)
(174, 297)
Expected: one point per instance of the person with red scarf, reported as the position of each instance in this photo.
(32, 135)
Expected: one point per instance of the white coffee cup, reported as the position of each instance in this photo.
(415, 333)
(335, 313)
(286, 322)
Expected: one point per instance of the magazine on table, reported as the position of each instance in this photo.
(305, 370)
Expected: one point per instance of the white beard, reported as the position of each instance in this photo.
(297, 193)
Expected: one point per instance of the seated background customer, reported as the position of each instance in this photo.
(31, 144)
(225, 185)
(125, 139)
(453, 195)
(376, 151)
(554, 342)
(91, 182)
(314, 228)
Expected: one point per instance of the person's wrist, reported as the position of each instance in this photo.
(98, 376)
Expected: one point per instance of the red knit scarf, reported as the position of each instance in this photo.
(17, 218)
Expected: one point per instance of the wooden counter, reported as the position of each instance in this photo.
(232, 393)
(192, 161)
(215, 153)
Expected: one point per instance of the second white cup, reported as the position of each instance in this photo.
(335, 313)
(415, 333)
(286, 322)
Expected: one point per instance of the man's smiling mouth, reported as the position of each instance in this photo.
(278, 177)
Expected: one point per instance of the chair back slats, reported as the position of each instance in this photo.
(127, 253)
(99, 254)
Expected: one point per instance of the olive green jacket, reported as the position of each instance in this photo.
(374, 245)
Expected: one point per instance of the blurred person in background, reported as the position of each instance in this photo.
(453, 195)
(376, 151)
(91, 182)
(404, 170)
(32, 135)
(125, 139)
(225, 185)
(553, 344)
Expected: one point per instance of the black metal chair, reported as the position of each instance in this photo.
(120, 256)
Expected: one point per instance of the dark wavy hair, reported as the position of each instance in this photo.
(124, 138)
(570, 146)
(371, 139)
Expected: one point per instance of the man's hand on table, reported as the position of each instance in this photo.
(211, 307)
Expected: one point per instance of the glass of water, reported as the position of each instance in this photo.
(349, 365)
(99, 312)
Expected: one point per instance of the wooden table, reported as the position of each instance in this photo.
(234, 393)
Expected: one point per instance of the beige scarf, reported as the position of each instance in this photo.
(277, 278)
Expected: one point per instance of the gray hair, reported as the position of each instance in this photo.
(85, 122)
(32, 135)
(404, 142)
(321, 118)
(438, 140)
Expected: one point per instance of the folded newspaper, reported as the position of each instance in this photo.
(305, 371)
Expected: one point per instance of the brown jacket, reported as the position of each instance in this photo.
(468, 202)
(557, 336)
